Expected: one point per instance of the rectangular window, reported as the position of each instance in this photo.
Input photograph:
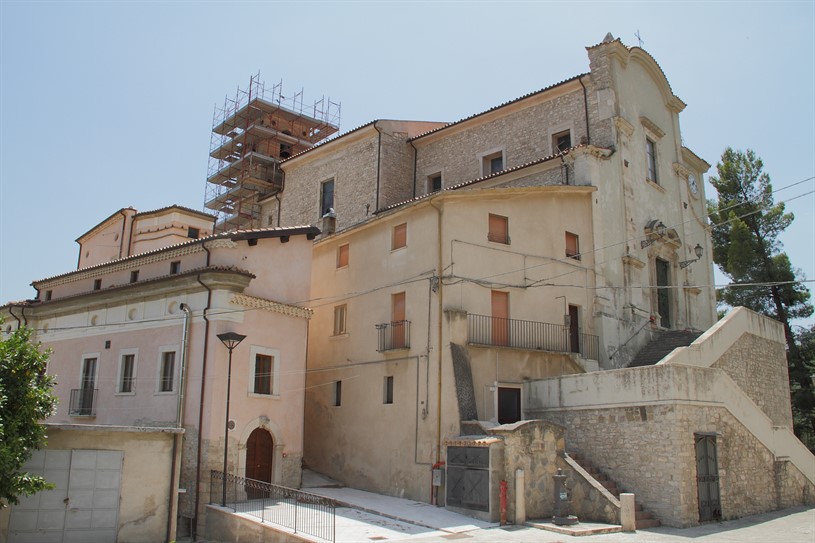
(572, 246)
(340, 314)
(167, 372)
(342, 255)
(493, 163)
(387, 396)
(434, 183)
(193, 233)
(498, 229)
(48, 294)
(263, 374)
(134, 276)
(326, 197)
(127, 373)
(97, 284)
(651, 152)
(399, 238)
(337, 400)
(561, 141)
(175, 267)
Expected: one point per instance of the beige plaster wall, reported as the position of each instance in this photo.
(106, 244)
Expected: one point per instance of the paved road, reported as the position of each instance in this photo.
(794, 525)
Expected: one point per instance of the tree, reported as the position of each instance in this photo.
(746, 226)
(25, 400)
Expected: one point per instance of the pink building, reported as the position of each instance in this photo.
(134, 339)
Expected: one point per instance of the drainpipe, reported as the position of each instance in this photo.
(175, 473)
(277, 197)
(122, 236)
(10, 312)
(378, 162)
(439, 212)
(585, 109)
(201, 399)
(415, 160)
(22, 314)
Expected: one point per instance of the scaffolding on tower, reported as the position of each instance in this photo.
(251, 134)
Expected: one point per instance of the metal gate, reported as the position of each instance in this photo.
(468, 477)
(84, 506)
(707, 477)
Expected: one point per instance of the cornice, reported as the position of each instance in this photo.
(681, 170)
(624, 126)
(652, 127)
(253, 302)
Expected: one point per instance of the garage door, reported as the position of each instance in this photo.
(84, 506)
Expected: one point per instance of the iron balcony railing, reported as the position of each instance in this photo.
(393, 335)
(521, 334)
(83, 402)
(287, 507)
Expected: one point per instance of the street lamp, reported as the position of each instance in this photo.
(698, 252)
(230, 340)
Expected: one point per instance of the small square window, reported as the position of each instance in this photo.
(340, 319)
(651, 152)
(263, 374)
(97, 284)
(342, 255)
(561, 141)
(434, 183)
(572, 246)
(498, 229)
(193, 233)
(167, 372)
(387, 396)
(492, 163)
(175, 267)
(337, 399)
(134, 276)
(399, 238)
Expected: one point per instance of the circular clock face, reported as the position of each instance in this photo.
(692, 182)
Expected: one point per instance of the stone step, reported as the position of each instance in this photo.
(649, 523)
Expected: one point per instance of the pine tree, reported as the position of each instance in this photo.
(25, 400)
(746, 248)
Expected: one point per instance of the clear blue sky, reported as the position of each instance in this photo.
(109, 104)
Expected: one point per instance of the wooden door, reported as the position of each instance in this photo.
(500, 318)
(663, 292)
(707, 478)
(574, 329)
(259, 450)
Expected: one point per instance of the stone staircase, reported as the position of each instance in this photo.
(662, 345)
(645, 519)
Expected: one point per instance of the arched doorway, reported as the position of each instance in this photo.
(259, 451)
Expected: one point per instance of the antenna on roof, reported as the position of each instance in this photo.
(639, 37)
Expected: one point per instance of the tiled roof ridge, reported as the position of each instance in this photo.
(499, 106)
(221, 235)
(173, 206)
(485, 177)
(194, 271)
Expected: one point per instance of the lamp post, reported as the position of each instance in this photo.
(230, 340)
(698, 252)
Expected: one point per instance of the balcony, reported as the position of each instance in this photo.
(539, 336)
(83, 402)
(393, 336)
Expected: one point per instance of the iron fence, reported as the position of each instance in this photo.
(83, 402)
(521, 334)
(393, 335)
(287, 507)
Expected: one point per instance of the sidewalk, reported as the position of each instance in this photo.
(371, 516)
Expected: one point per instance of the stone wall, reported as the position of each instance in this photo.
(649, 450)
(752, 357)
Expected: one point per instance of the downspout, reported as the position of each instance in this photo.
(378, 163)
(22, 314)
(201, 399)
(175, 474)
(130, 236)
(439, 213)
(277, 197)
(19, 322)
(415, 160)
(585, 109)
